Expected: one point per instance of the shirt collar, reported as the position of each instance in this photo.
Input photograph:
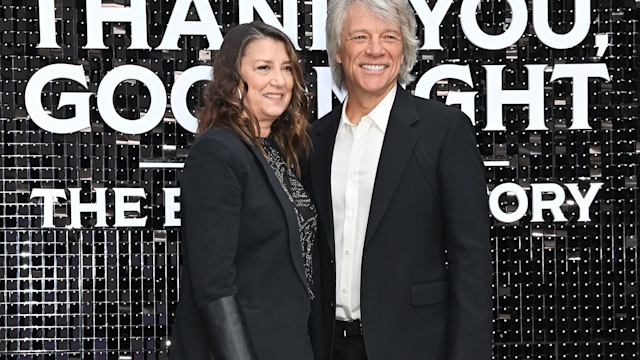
(380, 114)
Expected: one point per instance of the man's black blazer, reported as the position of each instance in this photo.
(426, 268)
(240, 237)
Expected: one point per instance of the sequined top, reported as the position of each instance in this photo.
(304, 209)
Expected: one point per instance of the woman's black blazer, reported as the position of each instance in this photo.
(239, 237)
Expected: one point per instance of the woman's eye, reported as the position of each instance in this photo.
(288, 68)
(263, 67)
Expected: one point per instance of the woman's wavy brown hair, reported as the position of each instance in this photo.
(223, 106)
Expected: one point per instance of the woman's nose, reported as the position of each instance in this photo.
(277, 77)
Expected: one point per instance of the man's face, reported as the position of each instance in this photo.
(370, 53)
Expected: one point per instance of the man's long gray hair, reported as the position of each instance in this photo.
(396, 11)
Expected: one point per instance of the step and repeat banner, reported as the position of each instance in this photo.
(97, 116)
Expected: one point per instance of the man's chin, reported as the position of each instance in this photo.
(376, 88)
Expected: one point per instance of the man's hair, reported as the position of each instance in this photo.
(396, 11)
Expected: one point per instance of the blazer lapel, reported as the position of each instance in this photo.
(398, 144)
(324, 137)
(287, 207)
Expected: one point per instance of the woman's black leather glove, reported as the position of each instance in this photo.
(227, 330)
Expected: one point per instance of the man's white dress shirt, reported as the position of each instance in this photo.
(353, 171)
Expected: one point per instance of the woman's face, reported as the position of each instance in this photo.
(267, 70)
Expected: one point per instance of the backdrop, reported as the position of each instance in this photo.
(96, 119)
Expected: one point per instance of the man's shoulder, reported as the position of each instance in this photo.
(435, 113)
(429, 106)
(327, 120)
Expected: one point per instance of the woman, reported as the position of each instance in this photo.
(248, 226)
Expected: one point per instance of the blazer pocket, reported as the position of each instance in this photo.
(249, 307)
(429, 293)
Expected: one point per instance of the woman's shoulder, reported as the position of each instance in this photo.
(220, 143)
(216, 152)
(221, 136)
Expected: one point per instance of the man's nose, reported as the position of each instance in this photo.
(375, 48)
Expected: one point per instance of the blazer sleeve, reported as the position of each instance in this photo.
(467, 239)
(211, 197)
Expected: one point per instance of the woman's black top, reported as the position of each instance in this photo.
(304, 209)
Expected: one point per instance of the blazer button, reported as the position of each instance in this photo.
(332, 304)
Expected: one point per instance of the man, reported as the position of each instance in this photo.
(399, 187)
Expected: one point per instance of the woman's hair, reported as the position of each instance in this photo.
(223, 104)
(396, 11)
